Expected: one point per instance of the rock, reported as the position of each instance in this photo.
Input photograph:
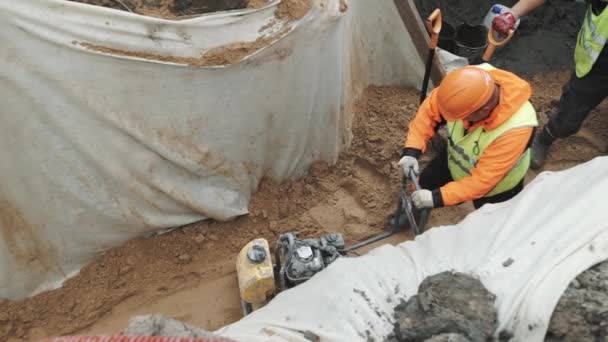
(124, 270)
(273, 224)
(386, 169)
(582, 312)
(6, 328)
(200, 238)
(213, 237)
(264, 214)
(71, 305)
(447, 304)
(309, 189)
(159, 325)
(508, 262)
(448, 338)
(152, 3)
(185, 257)
(181, 5)
(119, 284)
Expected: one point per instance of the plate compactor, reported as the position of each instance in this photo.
(297, 260)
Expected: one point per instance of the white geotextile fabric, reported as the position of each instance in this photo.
(552, 231)
(99, 148)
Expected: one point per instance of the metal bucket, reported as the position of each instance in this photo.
(446, 37)
(471, 41)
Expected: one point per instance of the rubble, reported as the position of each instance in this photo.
(160, 325)
(582, 312)
(448, 307)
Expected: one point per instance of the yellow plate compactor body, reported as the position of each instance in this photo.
(255, 274)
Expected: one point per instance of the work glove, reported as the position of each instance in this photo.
(408, 162)
(423, 199)
(503, 23)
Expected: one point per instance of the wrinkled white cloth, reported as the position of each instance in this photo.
(100, 147)
(526, 251)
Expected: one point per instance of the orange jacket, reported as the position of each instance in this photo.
(498, 158)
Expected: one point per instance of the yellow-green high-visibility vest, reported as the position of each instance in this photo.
(465, 148)
(591, 40)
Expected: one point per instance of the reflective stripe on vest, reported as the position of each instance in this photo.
(464, 150)
(591, 40)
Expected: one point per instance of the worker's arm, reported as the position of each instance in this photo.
(524, 7)
(422, 127)
(495, 162)
(506, 21)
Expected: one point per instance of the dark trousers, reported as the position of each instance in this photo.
(579, 97)
(437, 174)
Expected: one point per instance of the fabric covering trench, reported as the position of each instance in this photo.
(524, 253)
(100, 146)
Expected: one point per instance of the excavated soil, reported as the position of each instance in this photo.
(189, 273)
(448, 307)
(287, 10)
(169, 8)
(172, 9)
(544, 40)
(222, 55)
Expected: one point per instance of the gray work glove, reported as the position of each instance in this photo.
(423, 199)
(408, 162)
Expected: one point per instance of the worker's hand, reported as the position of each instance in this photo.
(503, 23)
(408, 162)
(423, 199)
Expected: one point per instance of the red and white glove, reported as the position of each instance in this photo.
(503, 23)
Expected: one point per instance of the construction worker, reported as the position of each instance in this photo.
(490, 125)
(588, 85)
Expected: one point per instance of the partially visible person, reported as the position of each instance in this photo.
(490, 123)
(588, 85)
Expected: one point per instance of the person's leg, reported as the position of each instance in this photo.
(502, 197)
(436, 173)
(579, 97)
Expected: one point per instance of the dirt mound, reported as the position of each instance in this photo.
(232, 53)
(170, 9)
(544, 41)
(582, 312)
(448, 306)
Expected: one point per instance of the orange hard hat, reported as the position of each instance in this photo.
(464, 91)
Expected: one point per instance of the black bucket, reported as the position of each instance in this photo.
(471, 41)
(446, 37)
